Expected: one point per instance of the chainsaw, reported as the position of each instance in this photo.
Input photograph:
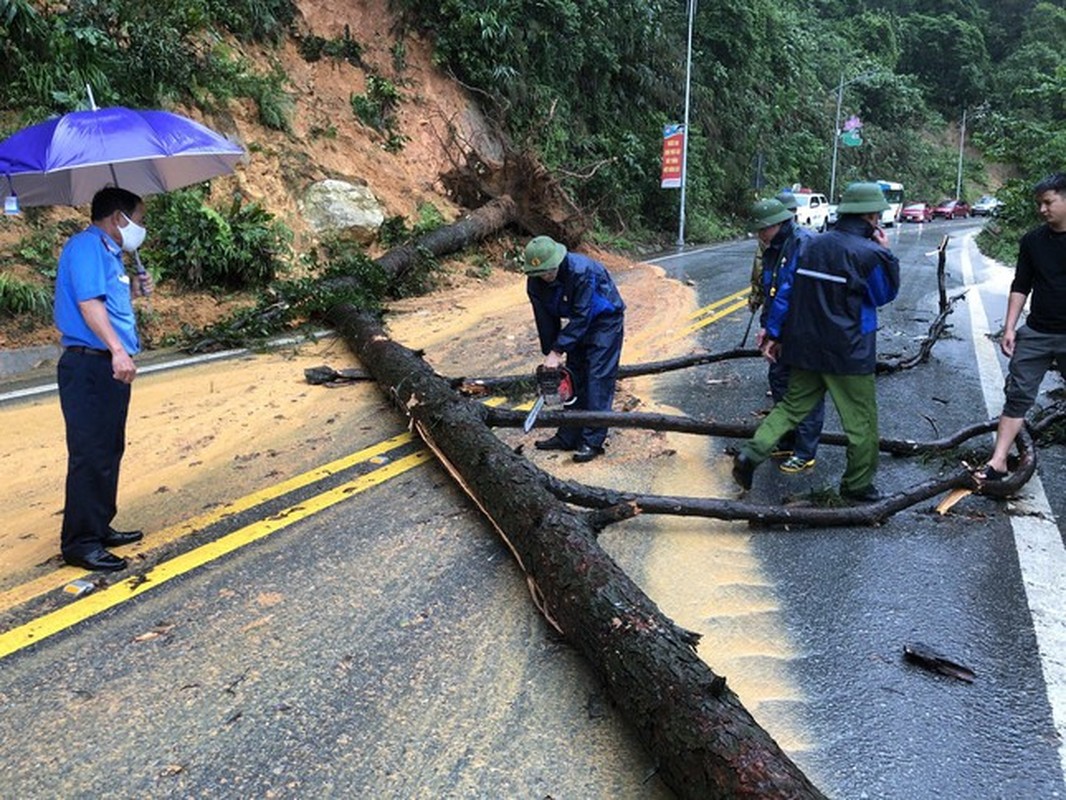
(555, 389)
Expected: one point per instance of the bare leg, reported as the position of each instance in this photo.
(1006, 432)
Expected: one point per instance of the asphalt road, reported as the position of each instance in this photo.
(385, 645)
(968, 583)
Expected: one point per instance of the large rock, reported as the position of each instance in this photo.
(342, 209)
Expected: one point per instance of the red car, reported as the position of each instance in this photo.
(917, 212)
(952, 209)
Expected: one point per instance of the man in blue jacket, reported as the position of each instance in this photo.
(564, 285)
(782, 243)
(827, 335)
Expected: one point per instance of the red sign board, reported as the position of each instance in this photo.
(673, 155)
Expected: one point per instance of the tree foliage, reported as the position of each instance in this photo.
(591, 87)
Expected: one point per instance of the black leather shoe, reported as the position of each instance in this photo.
(98, 560)
(586, 453)
(868, 495)
(118, 538)
(743, 470)
(552, 443)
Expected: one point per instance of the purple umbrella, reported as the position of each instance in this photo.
(66, 160)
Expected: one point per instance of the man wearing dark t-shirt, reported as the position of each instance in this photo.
(1041, 341)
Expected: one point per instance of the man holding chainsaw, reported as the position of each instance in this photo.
(564, 285)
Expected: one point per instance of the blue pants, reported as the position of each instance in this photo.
(95, 406)
(803, 441)
(594, 367)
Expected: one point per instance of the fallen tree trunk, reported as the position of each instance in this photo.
(486, 221)
(707, 744)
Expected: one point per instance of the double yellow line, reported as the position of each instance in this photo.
(73, 613)
(716, 311)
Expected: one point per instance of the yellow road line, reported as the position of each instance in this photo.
(695, 326)
(53, 580)
(707, 309)
(69, 615)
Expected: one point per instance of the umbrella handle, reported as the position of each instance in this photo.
(142, 274)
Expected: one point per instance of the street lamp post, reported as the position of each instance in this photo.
(684, 145)
(962, 144)
(836, 141)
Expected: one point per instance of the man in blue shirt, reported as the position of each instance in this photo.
(95, 317)
(564, 285)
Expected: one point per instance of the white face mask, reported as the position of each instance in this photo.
(132, 235)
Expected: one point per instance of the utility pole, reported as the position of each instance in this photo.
(684, 146)
(962, 142)
(836, 141)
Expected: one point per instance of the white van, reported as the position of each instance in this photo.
(812, 210)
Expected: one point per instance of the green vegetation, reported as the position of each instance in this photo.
(22, 298)
(312, 48)
(198, 246)
(590, 85)
(136, 54)
(377, 109)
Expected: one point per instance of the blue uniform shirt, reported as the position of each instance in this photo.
(91, 267)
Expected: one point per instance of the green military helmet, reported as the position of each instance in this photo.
(788, 200)
(765, 213)
(543, 254)
(862, 198)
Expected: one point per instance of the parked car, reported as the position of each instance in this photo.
(952, 209)
(831, 219)
(917, 212)
(987, 206)
(812, 210)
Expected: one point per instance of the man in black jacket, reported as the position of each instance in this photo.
(1041, 271)
(828, 337)
(564, 285)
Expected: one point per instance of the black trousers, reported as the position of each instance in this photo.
(95, 406)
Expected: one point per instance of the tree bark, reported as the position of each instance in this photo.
(486, 221)
(707, 744)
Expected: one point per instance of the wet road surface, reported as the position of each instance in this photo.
(850, 599)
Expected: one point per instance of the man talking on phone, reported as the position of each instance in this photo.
(827, 335)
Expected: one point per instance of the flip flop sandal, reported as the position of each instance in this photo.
(990, 473)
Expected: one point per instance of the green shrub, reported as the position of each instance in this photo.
(377, 109)
(198, 246)
(18, 298)
(999, 238)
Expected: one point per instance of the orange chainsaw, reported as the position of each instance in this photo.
(555, 389)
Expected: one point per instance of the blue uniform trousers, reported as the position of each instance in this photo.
(594, 367)
(95, 406)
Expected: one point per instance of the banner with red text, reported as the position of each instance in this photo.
(673, 155)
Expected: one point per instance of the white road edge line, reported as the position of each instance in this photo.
(1037, 539)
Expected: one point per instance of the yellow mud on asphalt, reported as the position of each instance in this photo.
(703, 574)
(202, 436)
